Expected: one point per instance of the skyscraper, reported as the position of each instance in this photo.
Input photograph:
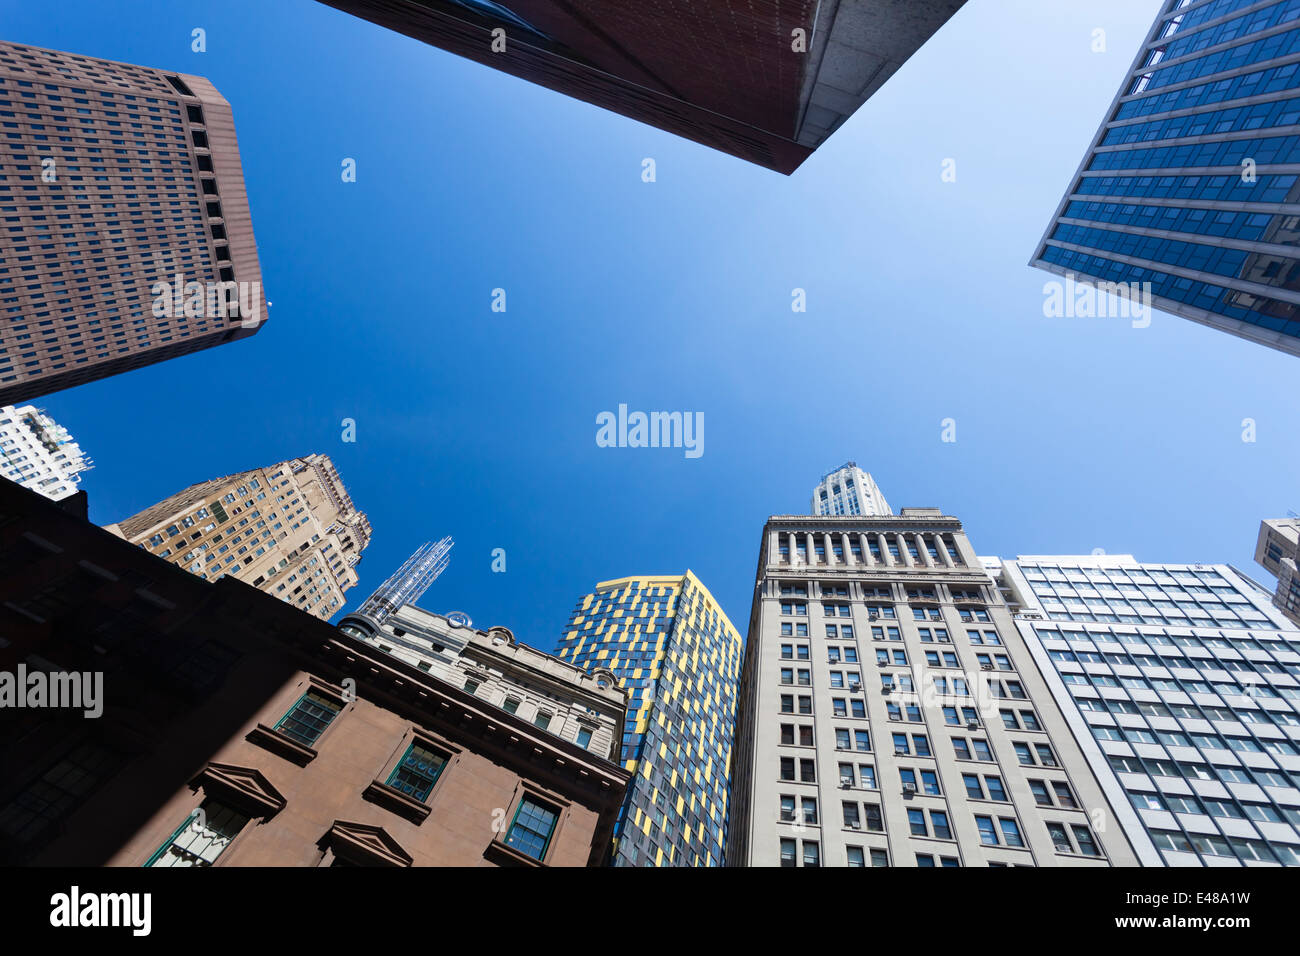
(127, 238)
(1278, 550)
(848, 490)
(1179, 682)
(890, 714)
(1191, 183)
(290, 529)
(36, 451)
(766, 81)
(672, 648)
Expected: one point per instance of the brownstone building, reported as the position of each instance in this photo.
(765, 80)
(233, 729)
(128, 238)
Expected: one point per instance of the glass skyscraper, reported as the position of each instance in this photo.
(1180, 683)
(678, 656)
(1192, 184)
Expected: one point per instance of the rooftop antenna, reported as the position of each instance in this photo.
(409, 582)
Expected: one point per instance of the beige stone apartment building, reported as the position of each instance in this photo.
(289, 529)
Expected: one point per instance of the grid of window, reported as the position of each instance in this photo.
(1198, 723)
(1223, 81)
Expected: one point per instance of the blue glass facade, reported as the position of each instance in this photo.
(1193, 183)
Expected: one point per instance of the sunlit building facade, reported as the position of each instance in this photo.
(1181, 684)
(39, 453)
(290, 529)
(673, 649)
(848, 490)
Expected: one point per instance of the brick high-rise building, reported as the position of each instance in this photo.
(668, 643)
(766, 80)
(289, 529)
(890, 714)
(126, 230)
(1191, 183)
(300, 744)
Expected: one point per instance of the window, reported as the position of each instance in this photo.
(988, 835)
(855, 856)
(1010, 831)
(543, 719)
(202, 838)
(531, 830)
(811, 853)
(789, 849)
(939, 821)
(584, 737)
(916, 821)
(417, 771)
(308, 718)
(511, 705)
(787, 808)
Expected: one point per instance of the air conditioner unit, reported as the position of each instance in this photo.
(855, 825)
(972, 725)
(1064, 848)
(846, 784)
(986, 667)
(909, 788)
(900, 752)
(855, 687)
(887, 689)
(873, 616)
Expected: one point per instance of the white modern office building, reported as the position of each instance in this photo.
(1181, 684)
(38, 453)
(848, 490)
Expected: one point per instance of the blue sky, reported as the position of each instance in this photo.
(1072, 434)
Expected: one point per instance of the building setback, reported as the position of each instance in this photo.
(289, 529)
(891, 715)
(299, 744)
(1191, 182)
(767, 81)
(1180, 683)
(118, 178)
(668, 643)
(1278, 551)
(38, 453)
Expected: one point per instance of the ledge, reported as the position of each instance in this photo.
(393, 799)
(271, 739)
(503, 855)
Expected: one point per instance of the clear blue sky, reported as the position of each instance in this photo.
(1072, 434)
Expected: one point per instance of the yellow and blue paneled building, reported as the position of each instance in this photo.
(678, 656)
